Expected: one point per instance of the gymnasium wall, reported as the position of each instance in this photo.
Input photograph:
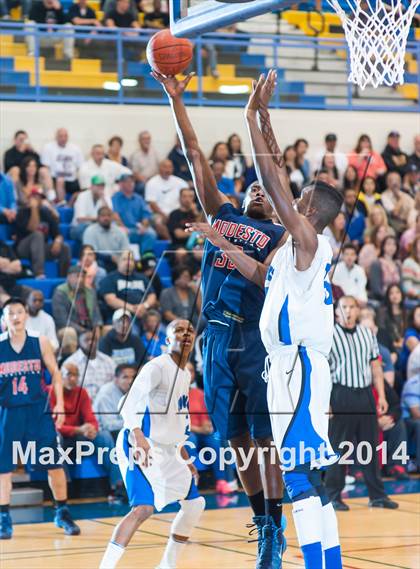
(89, 124)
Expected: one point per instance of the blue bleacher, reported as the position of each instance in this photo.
(5, 232)
(51, 269)
(160, 247)
(65, 230)
(47, 286)
(66, 214)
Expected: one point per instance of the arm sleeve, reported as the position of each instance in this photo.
(134, 404)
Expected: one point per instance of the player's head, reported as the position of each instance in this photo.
(14, 315)
(319, 203)
(256, 204)
(347, 311)
(180, 336)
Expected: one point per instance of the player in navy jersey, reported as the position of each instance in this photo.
(236, 395)
(24, 411)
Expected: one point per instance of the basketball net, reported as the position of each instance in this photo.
(376, 33)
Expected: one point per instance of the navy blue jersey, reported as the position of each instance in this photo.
(21, 374)
(224, 289)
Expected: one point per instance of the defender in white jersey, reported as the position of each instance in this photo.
(296, 328)
(151, 452)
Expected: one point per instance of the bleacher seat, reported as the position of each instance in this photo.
(51, 269)
(66, 214)
(161, 246)
(5, 232)
(47, 286)
(65, 230)
(48, 306)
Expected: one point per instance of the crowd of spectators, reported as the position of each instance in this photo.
(110, 310)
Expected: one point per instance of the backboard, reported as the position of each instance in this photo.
(190, 18)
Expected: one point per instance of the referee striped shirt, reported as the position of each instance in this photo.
(351, 355)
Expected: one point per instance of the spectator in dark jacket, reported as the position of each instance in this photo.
(10, 270)
(35, 224)
(186, 213)
(395, 159)
(177, 157)
(21, 149)
(51, 13)
(120, 343)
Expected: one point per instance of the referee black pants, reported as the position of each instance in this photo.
(354, 420)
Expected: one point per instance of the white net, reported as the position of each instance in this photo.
(376, 32)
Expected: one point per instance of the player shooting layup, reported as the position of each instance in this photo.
(234, 355)
(297, 330)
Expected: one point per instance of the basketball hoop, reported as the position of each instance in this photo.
(376, 32)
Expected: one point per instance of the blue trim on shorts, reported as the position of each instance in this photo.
(139, 489)
(193, 492)
(145, 425)
(284, 323)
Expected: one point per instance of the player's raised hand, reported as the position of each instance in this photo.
(172, 86)
(254, 98)
(206, 230)
(268, 88)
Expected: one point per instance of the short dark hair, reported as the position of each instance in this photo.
(186, 189)
(14, 300)
(104, 208)
(20, 132)
(117, 138)
(327, 200)
(121, 367)
(348, 246)
(177, 272)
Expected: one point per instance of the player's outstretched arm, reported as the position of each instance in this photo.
(266, 94)
(211, 199)
(246, 265)
(304, 235)
(56, 379)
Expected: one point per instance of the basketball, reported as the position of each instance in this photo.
(167, 54)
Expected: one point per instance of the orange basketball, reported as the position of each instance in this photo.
(167, 54)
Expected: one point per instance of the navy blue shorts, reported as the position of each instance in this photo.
(27, 424)
(235, 393)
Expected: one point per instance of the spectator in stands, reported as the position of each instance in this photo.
(408, 237)
(221, 152)
(179, 162)
(127, 288)
(415, 212)
(10, 270)
(74, 305)
(186, 213)
(63, 158)
(410, 400)
(183, 300)
(413, 364)
(21, 149)
(80, 14)
(120, 343)
(80, 424)
(301, 148)
(411, 339)
(366, 161)
(411, 181)
(39, 320)
(351, 179)
(386, 270)
(93, 272)
(162, 195)
(336, 233)
(115, 144)
(349, 276)
(121, 17)
(87, 205)
(148, 268)
(411, 272)
(108, 398)
(355, 220)
(110, 5)
(154, 338)
(106, 238)
(331, 147)
(328, 165)
(144, 162)
(95, 368)
(415, 157)
(35, 224)
(377, 217)
(29, 177)
(8, 208)
(225, 185)
(395, 159)
(392, 319)
(49, 12)
(157, 19)
(98, 165)
(295, 174)
(134, 214)
(368, 196)
(371, 251)
(397, 203)
(240, 166)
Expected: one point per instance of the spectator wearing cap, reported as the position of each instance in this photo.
(108, 399)
(120, 343)
(154, 338)
(349, 276)
(331, 148)
(35, 225)
(395, 159)
(87, 205)
(148, 267)
(396, 203)
(106, 238)
(134, 214)
(75, 306)
(186, 213)
(39, 320)
(365, 160)
(411, 182)
(127, 288)
(97, 165)
(8, 206)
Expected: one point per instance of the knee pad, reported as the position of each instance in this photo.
(188, 516)
(298, 483)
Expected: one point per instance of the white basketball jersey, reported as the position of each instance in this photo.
(298, 307)
(157, 402)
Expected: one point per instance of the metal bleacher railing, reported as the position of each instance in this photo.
(110, 67)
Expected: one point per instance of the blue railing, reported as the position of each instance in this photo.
(299, 85)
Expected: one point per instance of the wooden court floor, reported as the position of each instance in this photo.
(370, 538)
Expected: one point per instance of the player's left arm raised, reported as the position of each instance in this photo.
(56, 379)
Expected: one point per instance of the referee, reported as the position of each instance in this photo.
(354, 365)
